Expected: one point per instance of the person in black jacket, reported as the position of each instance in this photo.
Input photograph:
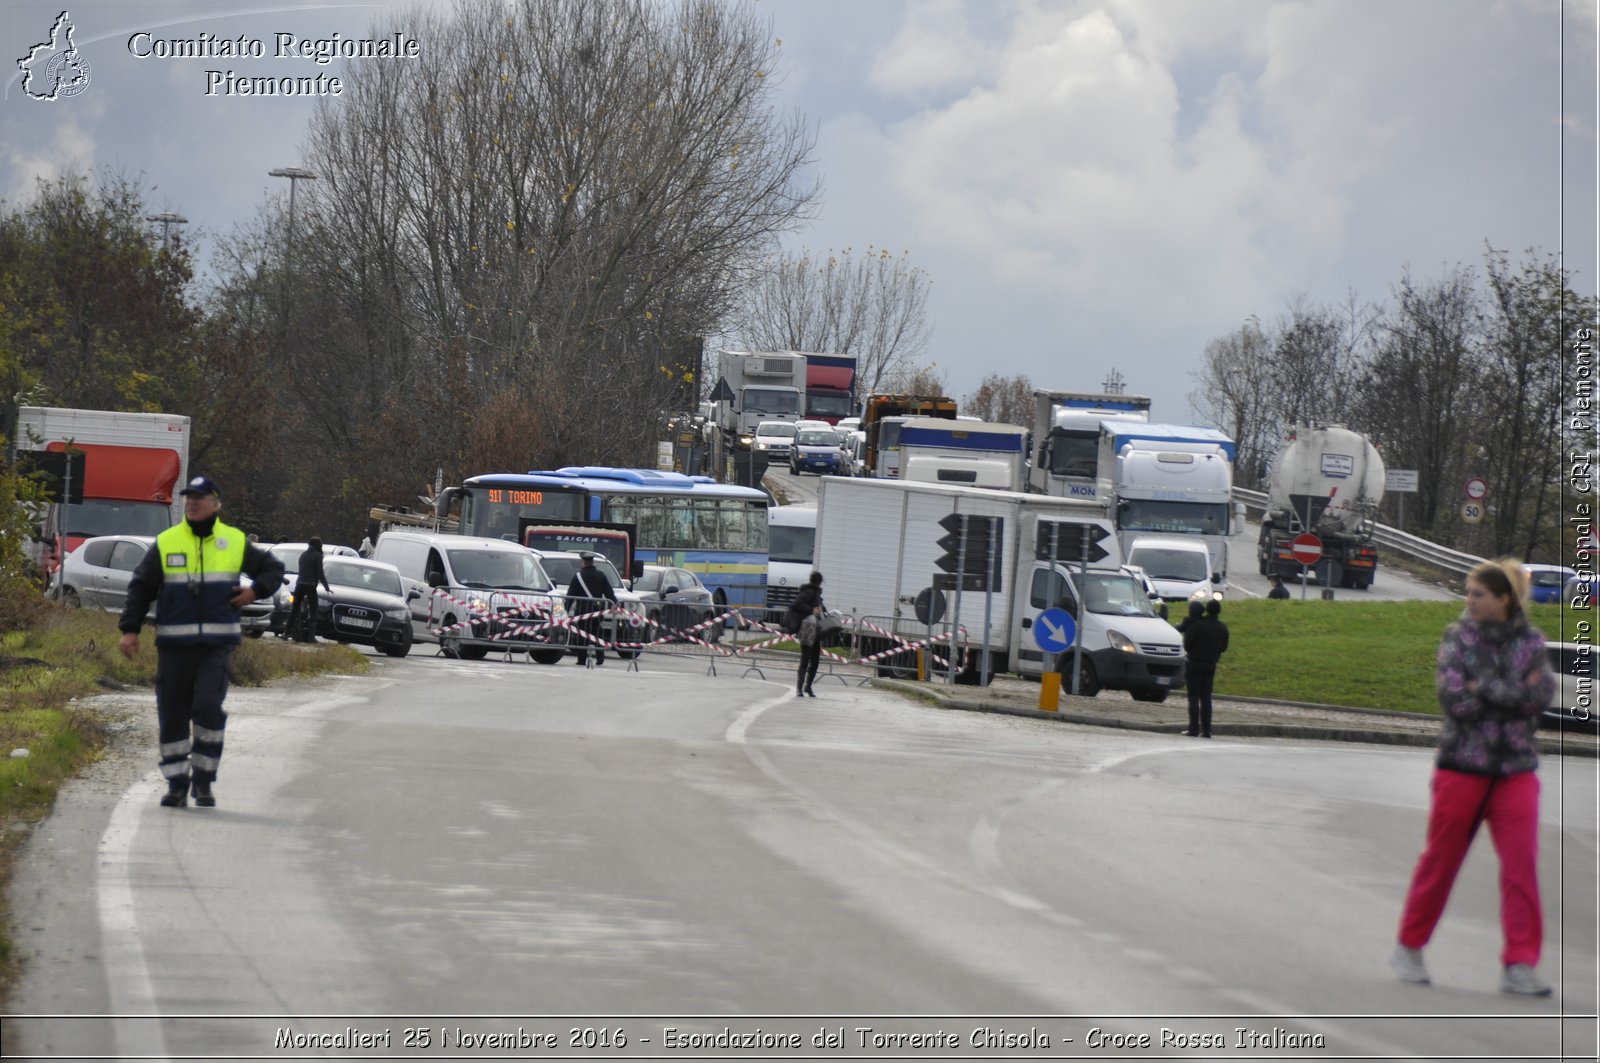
(1205, 640)
(1278, 589)
(304, 609)
(588, 592)
(192, 573)
(806, 604)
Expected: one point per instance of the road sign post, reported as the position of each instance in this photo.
(1307, 549)
(971, 562)
(1084, 540)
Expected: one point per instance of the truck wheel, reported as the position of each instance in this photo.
(1088, 680)
(1158, 695)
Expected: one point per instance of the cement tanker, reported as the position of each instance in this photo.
(1326, 480)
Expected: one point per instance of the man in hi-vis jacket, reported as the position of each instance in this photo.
(192, 574)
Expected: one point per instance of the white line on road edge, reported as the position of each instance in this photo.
(127, 976)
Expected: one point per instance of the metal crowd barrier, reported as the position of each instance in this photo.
(752, 636)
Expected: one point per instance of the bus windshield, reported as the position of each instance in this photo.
(498, 512)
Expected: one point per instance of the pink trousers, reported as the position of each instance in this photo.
(1510, 805)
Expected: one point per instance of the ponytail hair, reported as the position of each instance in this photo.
(1504, 578)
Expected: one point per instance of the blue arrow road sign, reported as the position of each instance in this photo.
(1053, 630)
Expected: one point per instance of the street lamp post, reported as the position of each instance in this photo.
(295, 174)
(167, 219)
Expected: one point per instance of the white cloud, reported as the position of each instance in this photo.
(934, 49)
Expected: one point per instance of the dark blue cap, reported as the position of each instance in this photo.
(201, 485)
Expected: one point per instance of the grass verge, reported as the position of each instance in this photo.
(1376, 655)
(61, 656)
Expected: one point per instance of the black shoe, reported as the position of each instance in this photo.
(810, 693)
(203, 795)
(1191, 734)
(177, 795)
(1205, 734)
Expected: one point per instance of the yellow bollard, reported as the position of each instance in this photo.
(922, 666)
(1049, 691)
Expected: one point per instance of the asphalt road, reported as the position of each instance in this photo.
(513, 841)
(1391, 584)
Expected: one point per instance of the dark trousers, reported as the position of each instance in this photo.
(1201, 677)
(191, 682)
(303, 614)
(594, 644)
(810, 661)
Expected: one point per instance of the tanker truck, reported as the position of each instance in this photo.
(1327, 480)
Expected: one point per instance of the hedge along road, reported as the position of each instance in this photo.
(480, 838)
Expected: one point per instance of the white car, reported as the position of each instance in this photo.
(775, 439)
(96, 574)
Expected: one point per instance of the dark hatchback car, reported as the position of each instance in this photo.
(677, 600)
(366, 605)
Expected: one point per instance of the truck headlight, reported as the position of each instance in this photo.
(1119, 641)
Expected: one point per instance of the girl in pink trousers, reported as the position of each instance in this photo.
(1493, 683)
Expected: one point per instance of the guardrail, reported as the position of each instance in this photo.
(1391, 539)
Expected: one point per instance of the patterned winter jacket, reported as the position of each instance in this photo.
(1491, 709)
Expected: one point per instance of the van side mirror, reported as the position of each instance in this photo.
(1216, 577)
(637, 570)
(436, 579)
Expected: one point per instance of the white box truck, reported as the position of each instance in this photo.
(878, 548)
(134, 465)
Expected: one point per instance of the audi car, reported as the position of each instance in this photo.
(366, 605)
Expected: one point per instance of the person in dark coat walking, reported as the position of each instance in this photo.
(807, 605)
(1205, 640)
(588, 593)
(303, 614)
(192, 572)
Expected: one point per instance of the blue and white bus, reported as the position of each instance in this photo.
(717, 531)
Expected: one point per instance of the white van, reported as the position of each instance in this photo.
(791, 545)
(475, 595)
(1179, 566)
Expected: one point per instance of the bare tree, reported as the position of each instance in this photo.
(873, 307)
(1234, 392)
(514, 245)
(1531, 312)
(1419, 385)
(1002, 400)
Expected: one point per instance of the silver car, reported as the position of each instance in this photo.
(96, 575)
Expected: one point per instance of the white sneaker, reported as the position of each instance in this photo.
(1518, 978)
(1407, 963)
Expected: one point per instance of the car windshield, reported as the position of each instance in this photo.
(1115, 595)
(1158, 563)
(785, 431)
(507, 570)
(792, 543)
(817, 439)
(365, 577)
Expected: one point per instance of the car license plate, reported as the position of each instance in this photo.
(351, 621)
(1162, 680)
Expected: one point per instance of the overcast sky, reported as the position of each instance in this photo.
(1091, 185)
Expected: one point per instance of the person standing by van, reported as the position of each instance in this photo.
(588, 593)
(192, 574)
(1205, 640)
(1493, 681)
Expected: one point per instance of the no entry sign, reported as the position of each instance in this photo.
(1307, 548)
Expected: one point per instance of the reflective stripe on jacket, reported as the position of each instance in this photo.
(198, 577)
